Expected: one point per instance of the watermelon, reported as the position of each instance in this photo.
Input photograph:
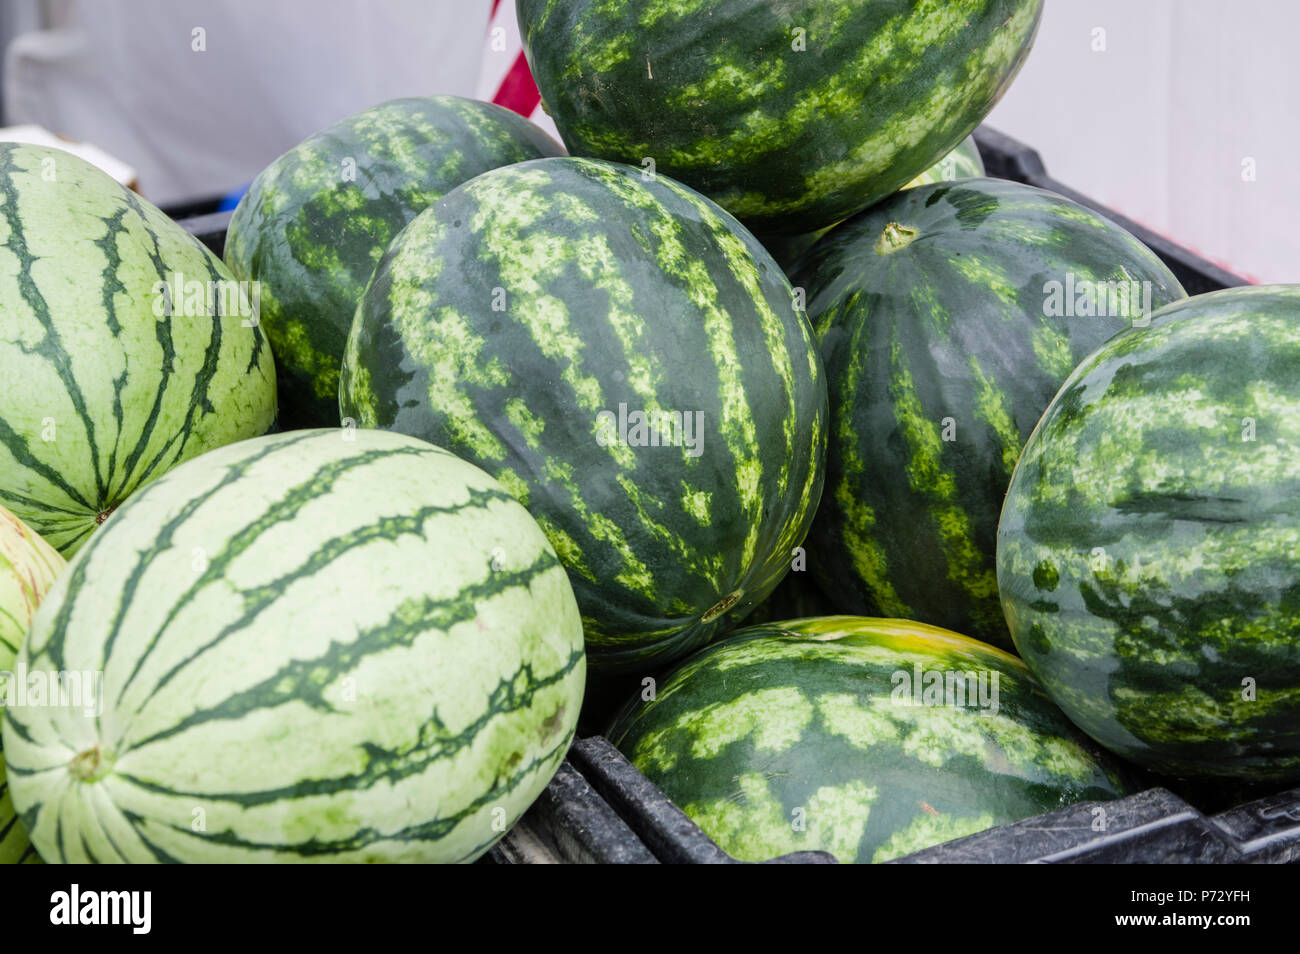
(791, 116)
(1147, 549)
(28, 567)
(866, 738)
(945, 336)
(315, 646)
(313, 224)
(964, 162)
(628, 361)
(128, 346)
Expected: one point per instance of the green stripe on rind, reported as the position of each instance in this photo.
(314, 223)
(517, 308)
(28, 567)
(105, 395)
(794, 736)
(940, 358)
(789, 140)
(1147, 549)
(407, 617)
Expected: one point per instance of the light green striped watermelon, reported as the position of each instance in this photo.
(28, 567)
(791, 115)
(948, 316)
(314, 223)
(1149, 548)
(332, 645)
(128, 346)
(866, 738)
(527, 317)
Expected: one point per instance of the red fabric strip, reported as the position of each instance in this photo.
(518, 91)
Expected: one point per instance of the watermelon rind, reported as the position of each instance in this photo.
(829, 734)
(791, 116)
(318, 646)
(523, 322)
(1147, 548)
(128, 346)
(28, 568)
(947, 318)
(313, 224)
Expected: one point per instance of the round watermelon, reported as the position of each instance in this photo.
(1147, 549)
(791, 116)
(624, 357)
(866, 738)
(332, 645)
(947, 318)
(313, 224)
(128, 346)
(28, 568)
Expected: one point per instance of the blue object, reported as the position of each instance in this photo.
(231, 199)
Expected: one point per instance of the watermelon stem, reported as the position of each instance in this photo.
(894, 237)
(86, 765)
(726, 603)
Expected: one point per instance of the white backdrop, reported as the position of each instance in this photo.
(124, 75)
(1168, 114)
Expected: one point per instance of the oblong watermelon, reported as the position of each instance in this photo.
(867, 738)
(28, 568)
(315, 646)
(791, 116)
(128, 346)
(623, 356)
(313, 224)
(1147, 549)
(948, 316)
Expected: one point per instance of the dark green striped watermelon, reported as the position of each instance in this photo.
(867, 738)
(964, 162)
(127, 347)
(937, 322)
(1147, 554)
(315, 646)
(526, 318)
(790, 115)
(28, 568)
(314, 223)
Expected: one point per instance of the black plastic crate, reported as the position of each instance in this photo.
(658, 823)
(569, 823)
(600, 809)
(1154, 826)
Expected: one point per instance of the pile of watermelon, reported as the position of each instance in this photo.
(863, 501)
